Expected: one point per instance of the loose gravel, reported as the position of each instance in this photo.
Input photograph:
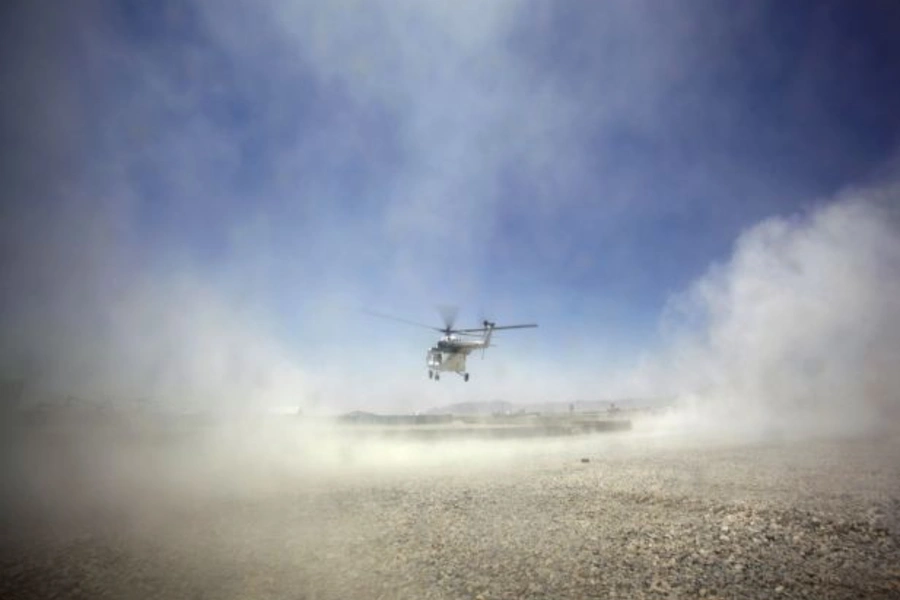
(644, 517)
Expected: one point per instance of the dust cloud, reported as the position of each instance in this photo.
(63, 469)
(795, 335)
(798, 333)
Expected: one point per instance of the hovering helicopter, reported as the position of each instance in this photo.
(452, 349)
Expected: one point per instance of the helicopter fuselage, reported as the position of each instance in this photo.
(450, 353)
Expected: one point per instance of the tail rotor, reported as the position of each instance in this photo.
(488, 330)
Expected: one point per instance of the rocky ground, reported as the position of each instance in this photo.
(620, 515)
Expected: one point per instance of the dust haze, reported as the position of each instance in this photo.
(170, 294)
(797, 333)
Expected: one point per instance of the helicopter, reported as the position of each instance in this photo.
(449, 353)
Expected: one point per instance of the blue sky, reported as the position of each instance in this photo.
(575, 164)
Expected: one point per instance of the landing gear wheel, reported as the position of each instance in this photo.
(437, 377)
(430, 374)
(465, 376)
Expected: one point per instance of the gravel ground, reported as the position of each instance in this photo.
(263, 515)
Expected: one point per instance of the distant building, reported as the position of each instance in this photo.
(359, 417)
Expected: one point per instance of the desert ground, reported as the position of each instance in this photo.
(276, 509)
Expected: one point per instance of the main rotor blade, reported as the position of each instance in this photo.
(448, 314)
(529, 325)
(399, 320)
